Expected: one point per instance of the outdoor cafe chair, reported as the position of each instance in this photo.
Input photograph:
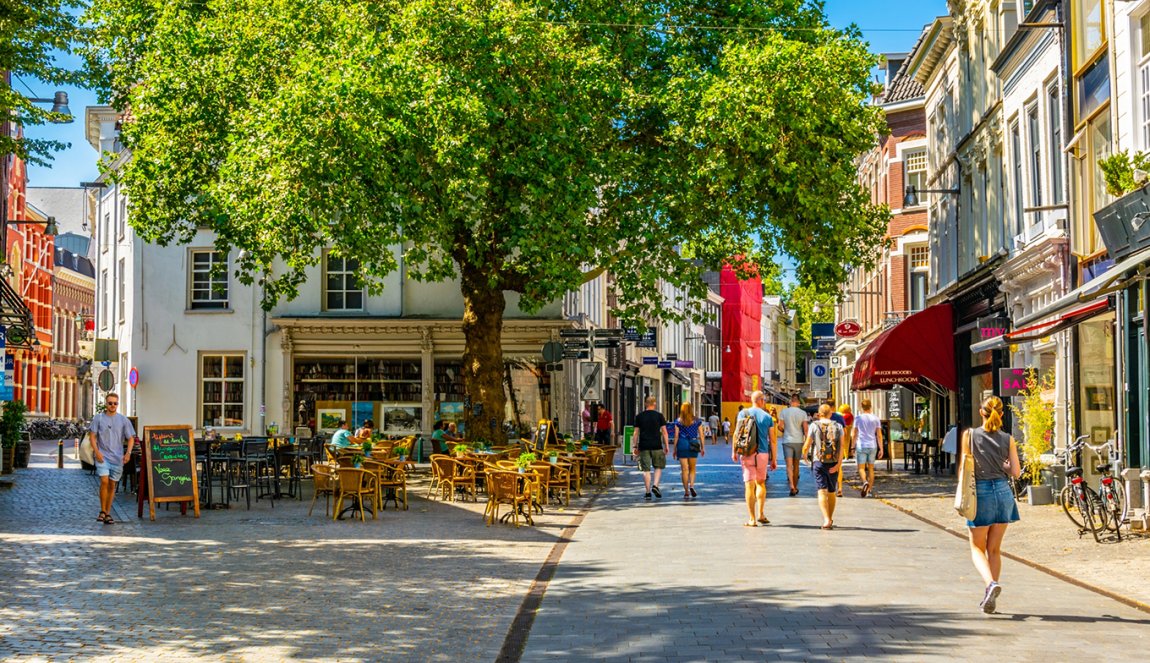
(354, 484)
(560, 483)
(510, 488)
(440, 467)
(324, 480)
(376, 468)
(393, 485)
(463, 478)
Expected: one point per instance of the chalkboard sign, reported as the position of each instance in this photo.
(545, 435)
(170, 462)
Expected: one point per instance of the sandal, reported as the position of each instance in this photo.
(828, 526)
(100, 518)
(750, 523)
(763, 521)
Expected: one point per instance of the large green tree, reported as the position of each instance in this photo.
(34, 35)
(514, 146)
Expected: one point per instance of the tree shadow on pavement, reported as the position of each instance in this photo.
(704, 623)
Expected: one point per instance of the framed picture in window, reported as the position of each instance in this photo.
(1099, 398)
(402, 418)
(1099, 435)
(328, 418)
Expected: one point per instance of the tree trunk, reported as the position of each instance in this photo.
(486, 402)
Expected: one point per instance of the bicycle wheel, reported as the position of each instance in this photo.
(1114, 500)
(1093, 512)
(1069, 507)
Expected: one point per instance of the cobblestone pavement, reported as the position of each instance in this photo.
(670, 580)
(429, 584)
(684, 581)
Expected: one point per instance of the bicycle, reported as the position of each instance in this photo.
(1110, 491)
(1079, 501)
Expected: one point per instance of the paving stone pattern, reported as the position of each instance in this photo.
(429, 584)
(685, 581)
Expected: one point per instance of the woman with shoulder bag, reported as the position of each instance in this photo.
(688, 447)
(995, 455)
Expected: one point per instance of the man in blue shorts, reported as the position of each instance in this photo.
(108, 431)
(825, 441)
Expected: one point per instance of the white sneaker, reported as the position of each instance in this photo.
(990, 600)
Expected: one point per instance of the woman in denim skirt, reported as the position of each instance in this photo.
(995, 461)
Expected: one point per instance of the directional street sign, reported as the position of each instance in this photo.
(591, 381)
(672, 356)
(650, 361)
(576, 354)
(606, 343)
(609, 333)
(576, 345)
(574, 333)
(664, 364)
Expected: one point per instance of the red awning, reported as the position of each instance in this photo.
(916, 350)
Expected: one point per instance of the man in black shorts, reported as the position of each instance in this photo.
(653, 446)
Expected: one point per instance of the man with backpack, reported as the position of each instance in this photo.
(825, 440)
(754, 448)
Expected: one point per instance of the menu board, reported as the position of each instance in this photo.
(545, 435)
(170, 463)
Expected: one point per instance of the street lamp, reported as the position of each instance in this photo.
(847, 299)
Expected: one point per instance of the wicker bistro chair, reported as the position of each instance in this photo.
(354, 484)
(508, 488)
(464, 478)
(440, 468)
(393, 485)
(376, 468)
(560, 483)
(324, 480)
(542, 483)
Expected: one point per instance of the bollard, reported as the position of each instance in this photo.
(60, 455)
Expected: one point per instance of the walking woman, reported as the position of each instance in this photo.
(688, 447)
(995, 460)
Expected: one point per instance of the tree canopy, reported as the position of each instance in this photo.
(514, 145)
(33, 34)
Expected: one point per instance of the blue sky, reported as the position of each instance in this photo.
(888, 25)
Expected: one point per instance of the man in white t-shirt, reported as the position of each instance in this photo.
(868, 445)
(793, 422)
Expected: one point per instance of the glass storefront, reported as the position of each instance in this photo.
(1096, 380)
(390, 391)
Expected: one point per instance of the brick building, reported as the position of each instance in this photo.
(73, 306)
(897, 286)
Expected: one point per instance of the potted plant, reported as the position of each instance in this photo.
(1036, 416)
(460, 449)
(367, 446)
(11, 423)
(553, 455)
(524, 461)
(357, 460)
(401, 452)
(570, 447)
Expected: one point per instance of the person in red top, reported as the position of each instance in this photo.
(603, 427)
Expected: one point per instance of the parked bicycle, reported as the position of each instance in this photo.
(1091, 510)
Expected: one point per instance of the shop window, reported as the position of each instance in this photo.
(209, 286)
(387, 391)
(222, 390)
(1096, 397)
(343, 291)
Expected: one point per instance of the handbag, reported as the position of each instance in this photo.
(966, 497)
(694, 445)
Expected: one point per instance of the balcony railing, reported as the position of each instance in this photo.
(894, 317)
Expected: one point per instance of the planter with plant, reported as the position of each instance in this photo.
(11, 423)
(1036, 418)
(357, 460)
(570, 447)
(524, 461)
(460, 449)
(1118, 170)
(401, 452)
(367, 447)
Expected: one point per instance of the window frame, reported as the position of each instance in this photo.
(1054, 133)
(917, 175)
(211, 303)
(347, 273)
(223, 379)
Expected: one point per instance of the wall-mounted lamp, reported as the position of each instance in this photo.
(911, 197)
(50, 227)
